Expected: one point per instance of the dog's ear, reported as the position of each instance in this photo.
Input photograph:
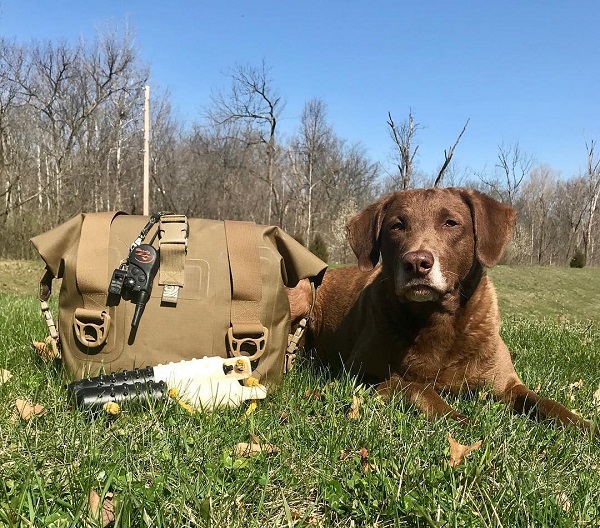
(493, 223)
(363, 234)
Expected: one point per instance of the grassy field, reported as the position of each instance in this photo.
(389, 467)
(548, 292)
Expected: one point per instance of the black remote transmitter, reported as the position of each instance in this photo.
(143, 264)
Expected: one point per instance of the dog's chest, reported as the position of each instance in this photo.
(445, 355)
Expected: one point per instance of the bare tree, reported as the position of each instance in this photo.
(403, 138)
(253, 101)
(69, 90)
(540, 196)
(310, 155)
(593, 182)
(512, 168)
(571, 208)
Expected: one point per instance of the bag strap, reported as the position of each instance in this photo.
(173, 242)
(92, 258)
(53, 339)
(246, 335)
(294, 339)
(92, 322)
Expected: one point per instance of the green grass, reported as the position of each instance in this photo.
(548, 292)
(167, 468)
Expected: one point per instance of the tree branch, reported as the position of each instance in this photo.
(448, 155)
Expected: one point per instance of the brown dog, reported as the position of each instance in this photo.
(426, 318)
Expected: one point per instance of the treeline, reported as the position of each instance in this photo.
(71, 140)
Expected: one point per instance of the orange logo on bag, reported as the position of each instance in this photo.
(143, 255)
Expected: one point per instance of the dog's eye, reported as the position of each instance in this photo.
(397, 226)
(450, 223)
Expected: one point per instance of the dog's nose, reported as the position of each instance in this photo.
(418, 263)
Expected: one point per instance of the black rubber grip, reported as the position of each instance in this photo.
(116, 378)
(139, 392)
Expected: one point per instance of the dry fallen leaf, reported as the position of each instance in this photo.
(364, 460)
(27, 410)
(354, 413)
(345, 454)
(105, 511)
(312, 394)
(576, 384)
(564, 502)
(459, 452)
(297, 515)
(484, 394)
(46, 349)
(596, 397)
(5, 375)
(254, 447)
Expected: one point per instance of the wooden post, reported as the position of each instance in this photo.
(147, 151)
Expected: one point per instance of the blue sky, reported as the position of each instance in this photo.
(526, 71)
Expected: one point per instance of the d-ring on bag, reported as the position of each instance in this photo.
(219, 291)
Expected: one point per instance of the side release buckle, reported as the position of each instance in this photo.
(91, 326)
(252, 345)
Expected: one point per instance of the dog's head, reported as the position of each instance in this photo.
(429, 239)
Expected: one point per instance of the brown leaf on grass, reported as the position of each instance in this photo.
(596, 397)
(364, 460)
(345, 454)
(312, 394)
(46, 349)
(298, 516)
(254, 447)
(354, 412)
(576, 384)
(483, 394)
(104, 511)
(5, 375)
(27, 410)
(459, 452)
(564, 502)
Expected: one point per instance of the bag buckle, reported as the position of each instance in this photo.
(174, 229)
(252, 345)
(91, 326)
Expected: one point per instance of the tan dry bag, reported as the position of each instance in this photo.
(219, 291)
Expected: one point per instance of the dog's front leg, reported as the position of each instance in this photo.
(422, 395)
(524, 401)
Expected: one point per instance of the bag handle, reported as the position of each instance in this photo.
(246, 335)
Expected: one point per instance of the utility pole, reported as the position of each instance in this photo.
(147, 151)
